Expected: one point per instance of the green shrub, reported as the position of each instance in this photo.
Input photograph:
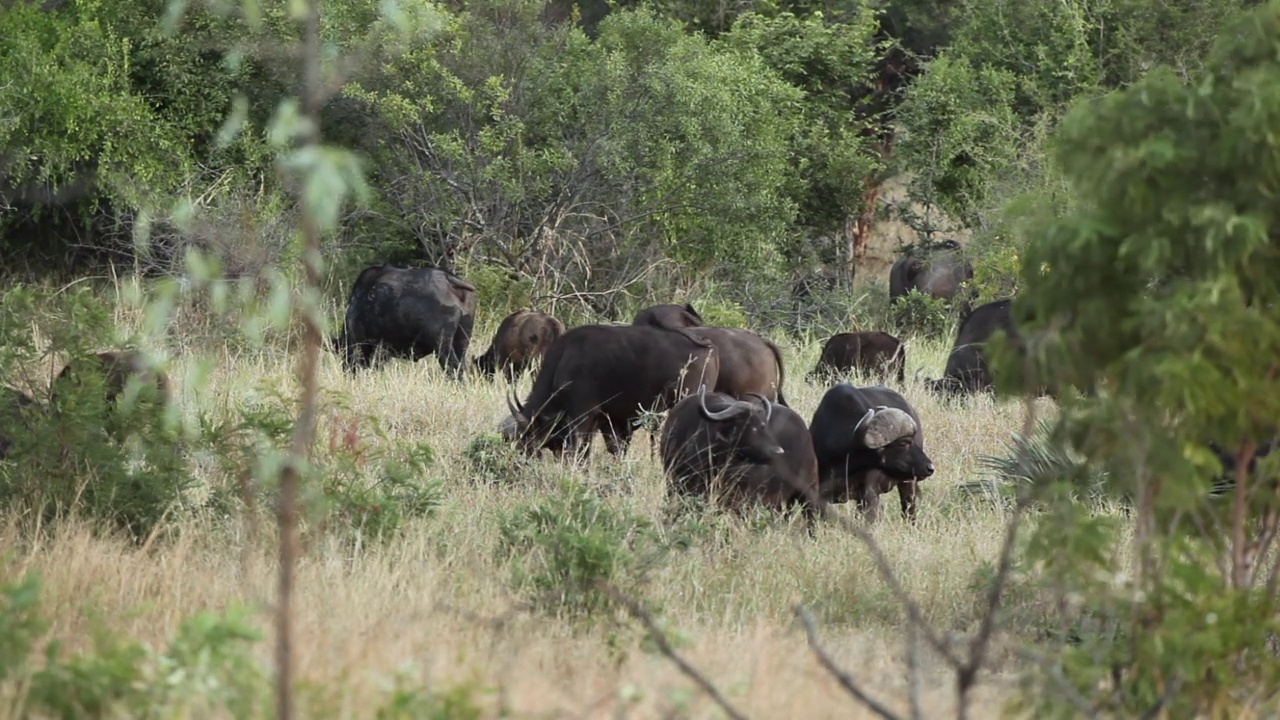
(120, 463)
(561, 548)
(209, 667)
(493, 460)
(919, 314)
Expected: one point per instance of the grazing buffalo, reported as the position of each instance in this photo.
(521, 339)
(116, 368)
(734, 452)
(13, 406)
(673, 317)
(409, 312)
(868, 440)
(749, 363)
(872, 353)
(669, 316)
(967, 368)
(937, 271)
(602, 377)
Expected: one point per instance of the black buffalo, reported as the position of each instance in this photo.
(749, 363)
(672, 317)
(520, 340)
(600, 377)
(14, 404)
(410, 313)
(872, 353)
(736, 452)
(938, 271)
(116, 368)
(1225, 482)
(967, 368)
(867, 441)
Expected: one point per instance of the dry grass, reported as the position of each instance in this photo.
(436, 602)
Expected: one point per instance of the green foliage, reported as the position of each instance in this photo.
(537, 148)
(408, 702)
(832, 62)
(363, 491)
(561, 548)
(209, 666)
(78, 453)
(493, 460)
(961, 135)
(917, 313)
(500, 292)
(1160, 284)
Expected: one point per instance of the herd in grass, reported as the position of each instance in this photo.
(729, 435)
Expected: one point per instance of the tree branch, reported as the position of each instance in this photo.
(846, 680)
(664, 646)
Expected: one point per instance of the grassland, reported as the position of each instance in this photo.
(436, 603)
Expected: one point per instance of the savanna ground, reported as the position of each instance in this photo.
(436, 604)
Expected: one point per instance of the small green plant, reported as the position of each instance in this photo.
(208, 667)
(493, 460)
(408, 702)
(919, 314)
(561, 549)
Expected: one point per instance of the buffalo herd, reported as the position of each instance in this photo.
(729, 436)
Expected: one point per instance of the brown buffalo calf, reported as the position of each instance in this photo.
(521, 340)
(873, 353)
(116, 367)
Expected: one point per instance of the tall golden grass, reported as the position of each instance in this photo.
(436, 604)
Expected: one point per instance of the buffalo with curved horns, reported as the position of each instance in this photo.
(734, 452)
(869, 440)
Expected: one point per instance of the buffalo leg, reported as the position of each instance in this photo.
(907, 496)
(448, 359)
(461, 340)
(869, 501)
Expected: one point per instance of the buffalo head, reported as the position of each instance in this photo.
(890, 433)
(744, 426)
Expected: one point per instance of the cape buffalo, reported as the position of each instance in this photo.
(749, 363)
(967, 369)
(872, 353)
(1226, 481)
(937, 271)
(735, 451)
(13, 406)
(673, 317)
(411, 313)
(116, 368)
(669, 316)
(868, 440)
(602, 377)
(521, 339)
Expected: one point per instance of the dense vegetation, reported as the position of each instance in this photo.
(1111, 164)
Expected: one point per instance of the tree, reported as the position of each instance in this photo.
(1161, 289)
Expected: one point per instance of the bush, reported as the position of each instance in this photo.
(919, 314)
(208, 667)
(563, 547)
(360, 489)
(117, 462)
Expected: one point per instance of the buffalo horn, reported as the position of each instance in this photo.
(768, 406)
(514, 405)
(724, 414)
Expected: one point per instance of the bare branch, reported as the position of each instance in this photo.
(664, 646)
(846, 680)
